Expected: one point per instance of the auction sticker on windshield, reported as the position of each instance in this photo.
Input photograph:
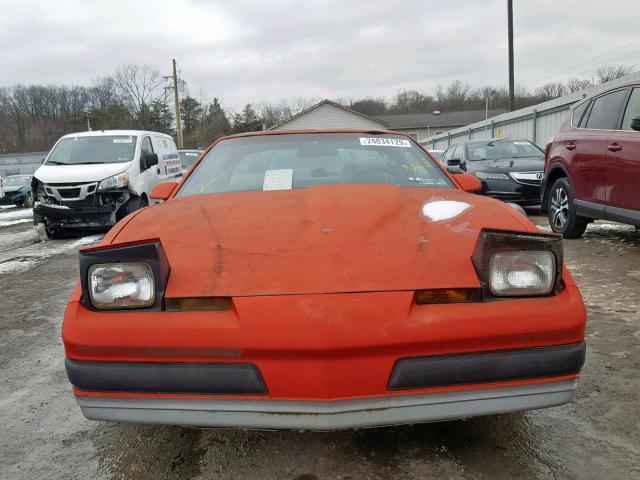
(278, 179)
(385, 142)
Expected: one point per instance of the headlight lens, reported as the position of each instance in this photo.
(491, 176)
(518, 273)
(121, 285)
(117, 181)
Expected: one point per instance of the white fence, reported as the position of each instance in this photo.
(537, 123)
(20, 163)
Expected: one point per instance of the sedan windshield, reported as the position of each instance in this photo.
(17, 181)
(93, 149)
(502, 150)
(187, 157)
(280, 162)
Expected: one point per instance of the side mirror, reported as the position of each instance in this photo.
(453, 162)
(149, 160)
(455, 170)
(469, 183)
(635, 123)
(162, 191)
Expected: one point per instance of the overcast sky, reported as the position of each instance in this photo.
(252, 51)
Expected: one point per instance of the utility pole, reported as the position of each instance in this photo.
(511, 82)
(175, 93)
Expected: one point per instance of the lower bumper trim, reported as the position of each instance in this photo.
(485, 367)
(196, 378)
(334, 415)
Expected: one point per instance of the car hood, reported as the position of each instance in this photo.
(532, 164)
(325, 239)
(79, 173)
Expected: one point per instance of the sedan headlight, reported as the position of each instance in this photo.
(491, 176)
(117, 181)
(121, 285)
(519, 273)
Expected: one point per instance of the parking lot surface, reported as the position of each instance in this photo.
(44, 435)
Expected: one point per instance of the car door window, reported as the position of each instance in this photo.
(632, 110)
(577, 114)
(605, 111)
(585, 116)
(447, 154)
(146, 148)
(457, 153)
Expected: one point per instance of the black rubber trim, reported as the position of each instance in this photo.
(195, 378)
(486, 367)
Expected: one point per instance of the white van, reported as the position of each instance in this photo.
(90, 180)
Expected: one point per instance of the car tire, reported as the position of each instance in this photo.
(561, 209)
(28, 201)
(133, 204)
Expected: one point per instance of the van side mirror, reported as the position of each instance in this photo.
(635, 123)
(469, 183)
(453, 162)
(163, 190)
(149, 160)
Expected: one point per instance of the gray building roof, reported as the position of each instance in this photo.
(326, 102)
(444, 119)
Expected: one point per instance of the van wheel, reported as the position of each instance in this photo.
(562, 210)
(133, 204)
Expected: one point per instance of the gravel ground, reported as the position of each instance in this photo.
(44, 435)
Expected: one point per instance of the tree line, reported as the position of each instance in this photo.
(33, 117)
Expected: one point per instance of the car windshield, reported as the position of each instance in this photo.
(188, 157)
(502, 149)
(17, 181)
(277, 162)
(93, 149)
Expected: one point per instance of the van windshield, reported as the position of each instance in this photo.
(95, 149)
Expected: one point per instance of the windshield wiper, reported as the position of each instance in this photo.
(53, 162)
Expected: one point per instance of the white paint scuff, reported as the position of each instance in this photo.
(443, 209)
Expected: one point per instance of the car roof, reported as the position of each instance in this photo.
(331, 130)
(584, 100)
(104, 133)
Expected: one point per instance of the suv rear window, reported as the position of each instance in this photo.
(605, 111)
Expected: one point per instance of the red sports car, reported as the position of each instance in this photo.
(322, 280)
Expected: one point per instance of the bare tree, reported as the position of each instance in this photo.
(138, 86)
(550, 90)
(611, 72)
(576, 84)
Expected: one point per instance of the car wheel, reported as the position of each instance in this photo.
(133, 204)
(28, 202)
(562, 210)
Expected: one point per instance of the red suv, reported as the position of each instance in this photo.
(592, 166)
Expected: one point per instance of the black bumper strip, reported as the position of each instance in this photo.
(485, 367)
(195, 378)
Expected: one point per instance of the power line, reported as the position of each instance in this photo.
(582, 63)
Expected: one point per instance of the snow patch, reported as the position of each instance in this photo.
(14, 213)
(443, 209)
(8, 223)
(30, 256)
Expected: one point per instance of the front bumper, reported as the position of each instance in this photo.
(334, 415)
(78, 217)
(479, 383)
(512, 191)
(12, 198)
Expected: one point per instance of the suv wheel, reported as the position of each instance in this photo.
(562, 210)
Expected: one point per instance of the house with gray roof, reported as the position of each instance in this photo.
(424, 125)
